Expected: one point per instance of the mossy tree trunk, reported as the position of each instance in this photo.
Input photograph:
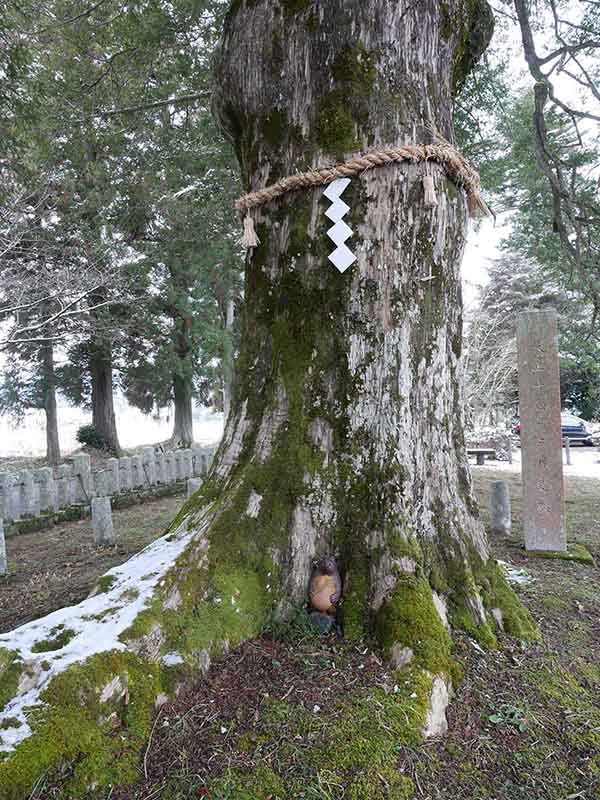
(345, 434)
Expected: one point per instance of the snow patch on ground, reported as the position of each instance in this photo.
(518, 577)
(96, 622)
(585, 463)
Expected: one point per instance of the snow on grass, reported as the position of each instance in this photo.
(94, 626)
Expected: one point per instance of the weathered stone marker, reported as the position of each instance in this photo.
(193, 485)
(83, 472)
(500, 508)
(148, 465)
(137, 473)
(112, 465)
(102, 482)
(3, 560)
(539, 406)
(102, 525)
(47, 488)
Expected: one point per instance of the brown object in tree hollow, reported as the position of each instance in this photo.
(325, 588)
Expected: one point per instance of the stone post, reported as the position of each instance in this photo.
(83, 472)
(137, 474)
(169, 467)
(193, 484)
(47, 488)
(102, 525)
(62, 485)
(539, 410)
(500, 508)
(5, 484)
(30, 503)
(148, 466)
(159, 468)
(102, 483)
(3, 559)
(178, 462)
(125, 474)
(568, 452)
(188, 469)
(112, 465)
(14, 496)
(196, 462)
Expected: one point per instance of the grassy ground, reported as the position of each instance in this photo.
(58, 567)
(312, 719)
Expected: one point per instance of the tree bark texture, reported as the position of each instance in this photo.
(52, 440)
(183, 428)
(103, 409)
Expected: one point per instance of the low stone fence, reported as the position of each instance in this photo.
(35, 499)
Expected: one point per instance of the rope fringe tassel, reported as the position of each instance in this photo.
(249, 239)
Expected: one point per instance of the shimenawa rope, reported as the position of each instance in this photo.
(444, 154)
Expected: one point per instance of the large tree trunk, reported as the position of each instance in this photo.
(346, 429)
(52, 440)
(103, 409)
(345, 432)
(183, 428)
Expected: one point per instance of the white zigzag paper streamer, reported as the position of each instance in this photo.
(342, 257)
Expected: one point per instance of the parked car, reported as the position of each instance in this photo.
(572, 428)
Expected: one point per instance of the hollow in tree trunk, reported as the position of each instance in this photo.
(52, 440)
(103, 409)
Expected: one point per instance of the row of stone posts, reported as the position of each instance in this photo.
(29, 493)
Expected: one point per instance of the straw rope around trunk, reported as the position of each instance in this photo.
(457, 167)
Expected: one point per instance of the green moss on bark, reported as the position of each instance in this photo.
(410, 618)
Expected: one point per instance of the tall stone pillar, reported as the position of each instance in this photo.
(3, 559)
(62, 485)
(541, 453)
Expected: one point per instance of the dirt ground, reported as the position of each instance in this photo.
(268, 724)
(293, 717)
(58, 567)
